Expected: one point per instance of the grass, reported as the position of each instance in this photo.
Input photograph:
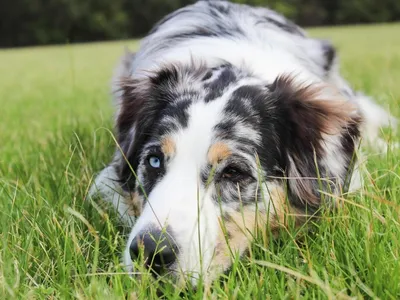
(56, 118)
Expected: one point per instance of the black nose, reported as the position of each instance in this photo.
(159, 249)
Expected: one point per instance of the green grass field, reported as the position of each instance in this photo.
(56, 117)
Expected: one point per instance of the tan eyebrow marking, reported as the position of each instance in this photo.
(217, 152)
(168, 146)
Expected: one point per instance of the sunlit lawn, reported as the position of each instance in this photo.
(55, 133)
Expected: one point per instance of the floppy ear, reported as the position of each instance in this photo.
(321, 134)
(134, 118)
(133, 94)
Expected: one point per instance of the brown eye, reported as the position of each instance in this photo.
(229, 172)
(233, 173)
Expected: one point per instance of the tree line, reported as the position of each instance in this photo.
(39, 22)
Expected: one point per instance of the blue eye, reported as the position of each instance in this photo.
(154, 162)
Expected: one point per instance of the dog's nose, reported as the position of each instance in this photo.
(159, 249)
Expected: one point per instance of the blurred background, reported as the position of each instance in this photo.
(41, 22)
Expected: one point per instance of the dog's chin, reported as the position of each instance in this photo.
(173, 276)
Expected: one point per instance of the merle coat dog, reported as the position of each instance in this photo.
(228, 118)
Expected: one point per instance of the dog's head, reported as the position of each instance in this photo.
(210, 155)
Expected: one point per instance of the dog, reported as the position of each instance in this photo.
(229, 117)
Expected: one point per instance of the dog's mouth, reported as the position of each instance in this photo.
(169, 274)
(165, 266)
(160, 267)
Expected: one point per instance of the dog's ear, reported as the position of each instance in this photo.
(133, 96)
(321, 134)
